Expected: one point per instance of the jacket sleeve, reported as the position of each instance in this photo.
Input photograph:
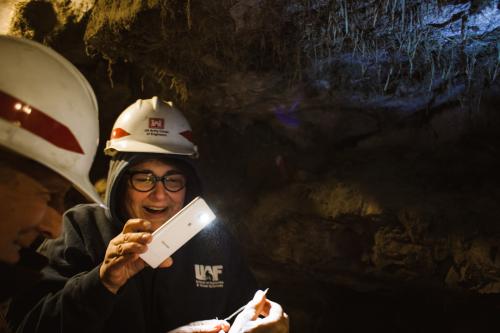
(70, 296)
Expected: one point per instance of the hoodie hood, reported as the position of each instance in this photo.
(116, 181)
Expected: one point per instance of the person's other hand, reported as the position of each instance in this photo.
(204, 326)
(274, 319)
(121, 260)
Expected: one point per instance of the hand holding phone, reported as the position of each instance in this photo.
(179, 229)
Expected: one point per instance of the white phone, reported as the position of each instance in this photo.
(177, 231)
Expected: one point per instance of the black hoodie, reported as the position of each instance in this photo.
(209, 278)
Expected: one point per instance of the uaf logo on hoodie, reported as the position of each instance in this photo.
(208, 276)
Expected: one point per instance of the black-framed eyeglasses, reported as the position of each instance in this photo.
(145, 180)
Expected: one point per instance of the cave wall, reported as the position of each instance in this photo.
(352, 146)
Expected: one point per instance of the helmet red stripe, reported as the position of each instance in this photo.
(118, 133)
(188, 135)
(35, 121)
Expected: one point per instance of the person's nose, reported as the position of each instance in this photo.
(51, 225)
(159, 192)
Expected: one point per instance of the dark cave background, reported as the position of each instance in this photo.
(352, 146)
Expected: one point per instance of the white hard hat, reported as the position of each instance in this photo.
(48, 111)
(151, 126)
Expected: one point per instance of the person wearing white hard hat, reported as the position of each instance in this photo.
(107, 286)
(49, 133)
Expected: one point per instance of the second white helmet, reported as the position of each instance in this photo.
(151, 126)
(48, 111)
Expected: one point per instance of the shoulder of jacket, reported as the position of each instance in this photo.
(85, 213)
(85, 209)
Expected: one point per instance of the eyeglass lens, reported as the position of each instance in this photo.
(146, 181)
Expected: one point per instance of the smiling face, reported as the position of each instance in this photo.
(158, 204)
(29, 206)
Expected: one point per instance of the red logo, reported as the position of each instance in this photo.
(157, 123)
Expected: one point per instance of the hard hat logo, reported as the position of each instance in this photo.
(158, 123)
(38, 123)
